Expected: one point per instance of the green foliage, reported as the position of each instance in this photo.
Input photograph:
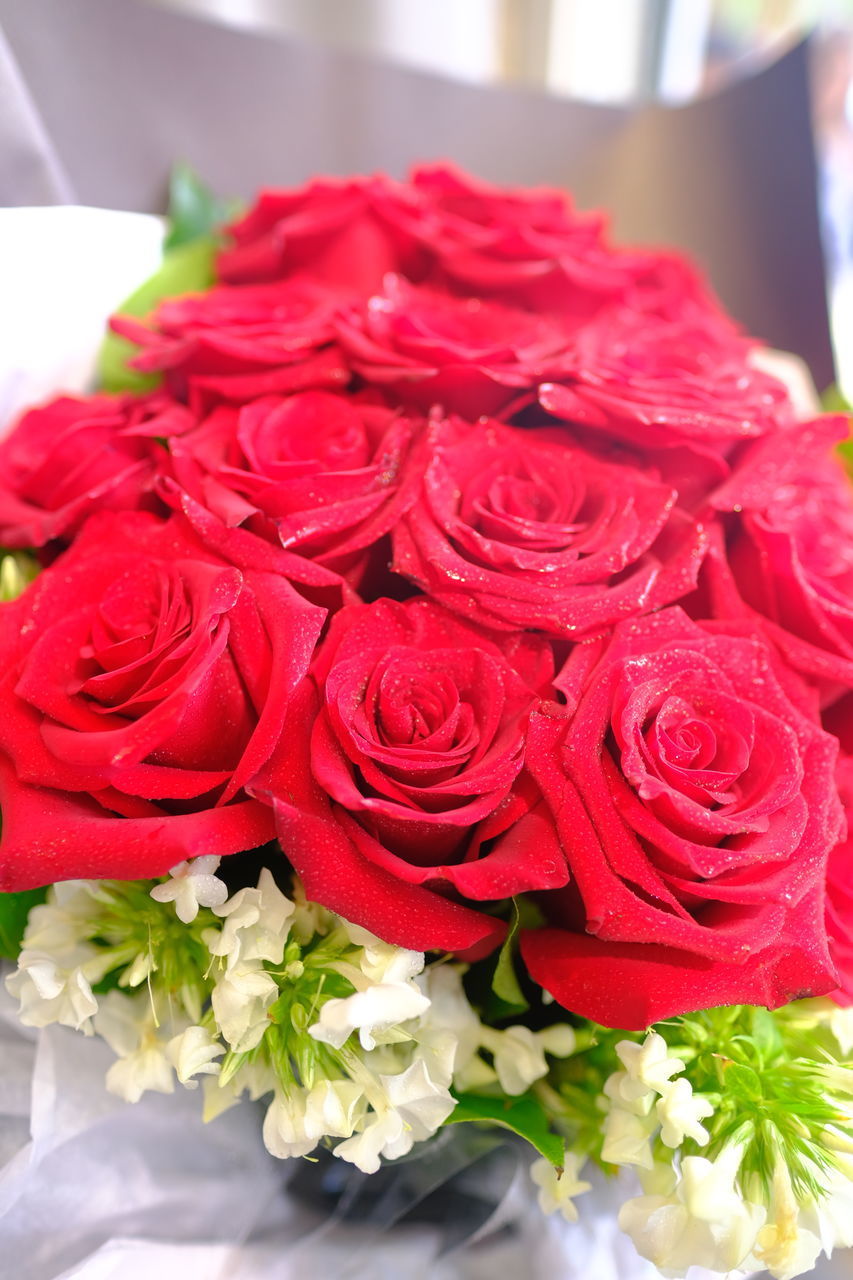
(189, 268)
(194, 211)
(14, 910)
(524, 1116)
(505, 984)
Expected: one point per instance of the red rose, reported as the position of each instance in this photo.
(315, 473)
(423, 347)
(693, 794)
(387, 805)
(518, 529)
(531, 248)
(788, 553)
(72, 457)
(839, 890)
(348, 232)
(240, 343)
(144, 684)
(659, 381)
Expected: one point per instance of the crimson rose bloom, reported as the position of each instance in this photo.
(518, 529)
(693, 795)
(347, 232)
(839, 890)
(788, 554)
(661, 381)
(314, 473)
(239, 343)
(395, 770)
(73, 456)
(423, 347)
(144, 684)
(531, 248)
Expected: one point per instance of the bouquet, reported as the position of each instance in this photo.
(427, 699)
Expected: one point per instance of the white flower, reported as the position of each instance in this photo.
(648, 1065)
(365, 1148)
(297, 1119)
(619, 1089)
(256, 924)
(680, 1112)
(558, 1188)
(128, 1026)
(519, 1053)
(449, 1032)
(240, 1001)
(61, 924)
(702, 1222)
(332, 1108)
(192, 885)
(284, 1125)
(49, 993)
(408, 1108)
(784, 1246)
(841, 1026)
(381, 961)
(626, 1138)
(194, 1052)
(369, 1012)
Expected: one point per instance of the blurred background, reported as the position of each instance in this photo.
(610, 51)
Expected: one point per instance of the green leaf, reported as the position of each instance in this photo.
(832, 401)
(194, 210)
(524, 1116)
(505, 982)
(187, 269)
(14, 909)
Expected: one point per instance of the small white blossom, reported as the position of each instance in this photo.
(333, 1108)
(60, 924)
(558, 1189)
(784, 1246)
(382, 961)
(284, 1125)
(256, 924)
(194, 1052)
(408, 1107)
(127, 1024)
(841, 1026)
(704, 1221)
(365, 1148)
(628, 1099)
(369, 1012)
(193, 884)
(519, 1053)
(51, 993)
(680, 1112)
(450, 1031)
(648, 1065)
(138, 970)
(626, 1138)
(240, 1001)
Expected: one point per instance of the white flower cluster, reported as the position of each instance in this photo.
(350, 1037)
(703, 1212)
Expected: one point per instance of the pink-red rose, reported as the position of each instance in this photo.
(839, 890)
(239, 343)
(518, 529)
(144, 684)
(316, 474)
(421, 346)
(347, 232)
(396, 770)
(71, 457)
(658, 381)
(691, 789)
(787, 551)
